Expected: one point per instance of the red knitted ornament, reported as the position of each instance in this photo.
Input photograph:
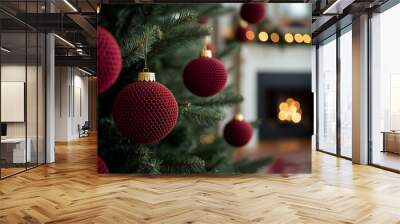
(240, 34)
(101, 166)
(109, 61)
(205, 76)
(279, 166)
(145, 111)
(203, 21)
(253, 12)
(238, 132)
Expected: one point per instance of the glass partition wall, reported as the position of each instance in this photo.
(334, 94)
(385, 89)
(22, 98)
(327, 95)
(345, 61)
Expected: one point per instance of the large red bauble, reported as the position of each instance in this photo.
(238, 132)
(240, 34)
(253, 12)
(145, 112)
(109, 61)
(205, 76)
(101, 166)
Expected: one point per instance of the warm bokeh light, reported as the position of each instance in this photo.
(228, 32)
(289, 100)
(263, 36)
(296, 117)
(282, 115)
(289, 38)
(275, 37)
(283, 106)
(293, 108)
(243, 23)
(250, 35)
(306, 38)
(290, 111)
(207, 139)
(296, 104)
(298, 38)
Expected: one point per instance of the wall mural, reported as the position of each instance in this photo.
(171, 88)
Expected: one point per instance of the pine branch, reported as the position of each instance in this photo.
(215, 154)
(183, 165)
(175, 21)
(201, 115)
(219, 100)
(252, 166)
(175, 38)
(135, 47)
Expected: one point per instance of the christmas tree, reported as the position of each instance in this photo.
(172, 36)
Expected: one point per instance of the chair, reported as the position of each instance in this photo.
(84, 130)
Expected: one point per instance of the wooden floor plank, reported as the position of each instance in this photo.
(70, 191)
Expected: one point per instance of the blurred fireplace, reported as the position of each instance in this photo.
(274, 89)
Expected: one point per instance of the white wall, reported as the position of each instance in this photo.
(314, 90)
(70, 83)
(257, 59)
(33, 127)
(12, 73)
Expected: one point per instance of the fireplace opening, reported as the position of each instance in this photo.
(285, 106)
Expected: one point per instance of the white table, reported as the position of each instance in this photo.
(19, 154)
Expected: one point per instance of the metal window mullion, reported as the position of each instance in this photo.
(26, 87)
(37, 90)
(369, 100)
(317, 97)
(338, 95)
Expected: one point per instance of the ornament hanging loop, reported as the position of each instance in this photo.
(145, 52)
(206, 52)
(146, 75)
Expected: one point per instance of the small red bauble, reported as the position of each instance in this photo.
(203, 21)
(279, 166)
(253, 12)
(240, 34)
(145, 111)
(101, 166)
(238, 132)
(109, 61)
(205, 76)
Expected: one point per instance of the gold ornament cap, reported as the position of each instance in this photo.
(147, 76)
(239, 117)
(206, 53)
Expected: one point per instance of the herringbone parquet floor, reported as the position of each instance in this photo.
(70, 191)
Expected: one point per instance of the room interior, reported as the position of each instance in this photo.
(22, 102)
(48, 92)
(25, 100)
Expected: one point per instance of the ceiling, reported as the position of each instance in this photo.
(328, 14)
(74, 22)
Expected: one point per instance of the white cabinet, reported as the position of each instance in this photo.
(17, 145)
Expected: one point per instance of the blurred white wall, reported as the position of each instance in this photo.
(266, 58)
